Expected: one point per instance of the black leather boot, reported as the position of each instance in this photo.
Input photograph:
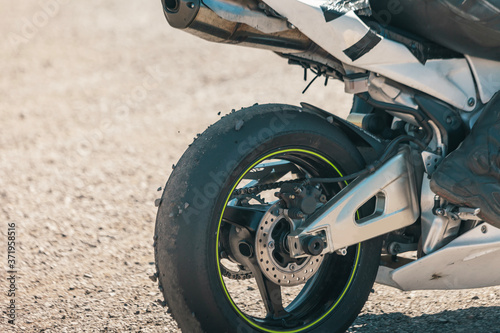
(470, 176)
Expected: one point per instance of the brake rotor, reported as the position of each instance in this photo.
(272, 252)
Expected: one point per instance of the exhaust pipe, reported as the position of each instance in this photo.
(171, 5)
(197, 18)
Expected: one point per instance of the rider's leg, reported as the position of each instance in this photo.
(470, 175)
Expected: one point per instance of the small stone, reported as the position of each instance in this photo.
(88, 276)
(475, 297)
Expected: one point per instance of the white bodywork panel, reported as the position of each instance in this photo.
(487, 75)
(470, 261)
(449, 80)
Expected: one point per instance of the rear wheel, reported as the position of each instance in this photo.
(221, 229)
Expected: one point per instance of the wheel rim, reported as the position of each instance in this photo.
(304, 311)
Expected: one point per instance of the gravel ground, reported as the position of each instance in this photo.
(98, 99)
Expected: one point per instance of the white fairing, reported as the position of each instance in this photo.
(487, 74)
(470, 261)
(449, 80)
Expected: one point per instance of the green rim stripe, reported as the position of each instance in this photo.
(217, 245)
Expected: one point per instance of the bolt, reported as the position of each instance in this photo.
(291, 196)
(471, 101)
(190, 5)
(271, 245)
(292, 267)
(484, 229)
(297, 189)
(342, 251)
(440, 211)
(238, 229)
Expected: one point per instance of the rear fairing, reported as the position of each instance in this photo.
(351, 41)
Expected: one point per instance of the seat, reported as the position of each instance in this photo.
(467, 26)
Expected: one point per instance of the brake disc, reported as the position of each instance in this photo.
(272, 252)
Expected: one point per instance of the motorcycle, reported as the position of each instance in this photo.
(280, 218)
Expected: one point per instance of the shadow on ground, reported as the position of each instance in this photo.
(476, 319)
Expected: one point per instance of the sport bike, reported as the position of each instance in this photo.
(279, 218)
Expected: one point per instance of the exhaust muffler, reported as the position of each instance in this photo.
(248, 25)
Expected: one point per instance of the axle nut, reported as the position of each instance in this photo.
(313, 245)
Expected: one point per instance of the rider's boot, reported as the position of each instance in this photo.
(470, 176)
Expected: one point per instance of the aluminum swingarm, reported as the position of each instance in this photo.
(394, 187)
(453, 266)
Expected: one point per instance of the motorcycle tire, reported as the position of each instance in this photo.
(191, 236)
